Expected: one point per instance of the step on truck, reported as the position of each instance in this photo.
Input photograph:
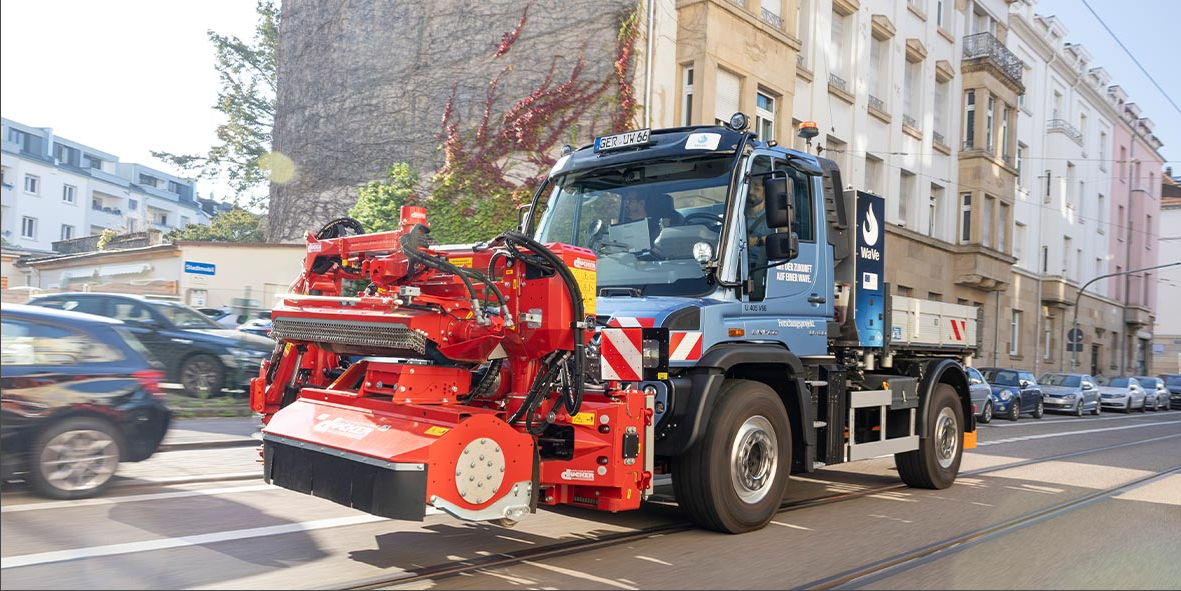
(741, 332)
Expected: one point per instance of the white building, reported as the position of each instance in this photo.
(57, 189)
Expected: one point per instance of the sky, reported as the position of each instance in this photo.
(1148, 28)
(131, 76)
(123, 76)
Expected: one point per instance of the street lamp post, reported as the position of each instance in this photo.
(1074, 324)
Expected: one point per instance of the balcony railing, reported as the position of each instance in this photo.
(877, 103)
(939, 139)
(984, 45)
(1064, 126)
(908, 120)
(772, 19)
(838, 83)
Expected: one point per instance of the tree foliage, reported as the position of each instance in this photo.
(247, 99)
(379, 205)
(235, 225)
(492, 169)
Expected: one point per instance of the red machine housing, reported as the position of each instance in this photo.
(451, 378)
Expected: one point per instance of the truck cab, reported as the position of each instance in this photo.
(758, 277)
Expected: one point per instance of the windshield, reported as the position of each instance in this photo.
(646, 246)
(1000, 377)
(1173, 381)
(1119, 382)
(185, 317)
(1059, 379)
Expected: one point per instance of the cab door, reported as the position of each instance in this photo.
(789, 301)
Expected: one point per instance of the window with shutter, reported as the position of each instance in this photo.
(727, 100)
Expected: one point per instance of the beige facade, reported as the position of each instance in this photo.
(735, 57)
(207, 274)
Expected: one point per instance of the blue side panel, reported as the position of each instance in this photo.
(869, 308)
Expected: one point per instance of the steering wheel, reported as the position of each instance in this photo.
(711, 220)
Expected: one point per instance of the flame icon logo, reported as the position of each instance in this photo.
(869, 228)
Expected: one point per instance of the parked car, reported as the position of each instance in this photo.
(1122, 393)
(1173, 386)
(80, 395)
(1014, 392)
(981, 395)
(258, 326)
(1075, 393)
(1154, 387)
(198, 353)
(223, 316)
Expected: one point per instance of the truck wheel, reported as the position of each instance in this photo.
(75, 458)
(733, 479)
(936, 462)
(202, 376)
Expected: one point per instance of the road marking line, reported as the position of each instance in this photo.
(133, 498)
(656, 560)
(793, 526)
(1083, 432)
(166, 543)
(580, 575)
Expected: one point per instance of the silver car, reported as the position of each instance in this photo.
(981, 395)
(1074, 393)
(1122, 393)
(1153, 385)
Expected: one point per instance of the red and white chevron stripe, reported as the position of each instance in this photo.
(631, 322)
(622, 359)
(684, 345)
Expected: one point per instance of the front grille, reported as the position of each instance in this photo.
(376, 335)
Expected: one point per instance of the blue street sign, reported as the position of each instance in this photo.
(200, 268)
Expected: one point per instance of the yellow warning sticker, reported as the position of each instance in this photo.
(583, 418)
(462, 262)
(437, 431)
(586, 284)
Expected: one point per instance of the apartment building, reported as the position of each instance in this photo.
(1078, 209)
(57, 189)
(1166, 333)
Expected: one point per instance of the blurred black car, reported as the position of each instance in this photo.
(203, 356)
(79, 394)
(1173, 385)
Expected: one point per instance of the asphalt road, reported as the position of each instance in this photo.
(157, 531)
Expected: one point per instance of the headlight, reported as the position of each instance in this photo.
(1006, 395)
(1069, 397)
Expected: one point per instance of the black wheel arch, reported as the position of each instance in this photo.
(695, 398)
(950, 372)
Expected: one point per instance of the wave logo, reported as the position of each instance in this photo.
(571, 474)
(869, 229)
(347, 428)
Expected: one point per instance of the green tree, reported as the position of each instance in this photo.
(235, 225)
(247, 99)
(378, 207)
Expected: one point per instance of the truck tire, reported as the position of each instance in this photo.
(936, 462)
(733, 479)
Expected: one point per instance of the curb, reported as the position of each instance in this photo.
(219, 444)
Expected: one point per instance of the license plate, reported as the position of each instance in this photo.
(622, 140)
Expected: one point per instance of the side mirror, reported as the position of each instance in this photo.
(1088, 387)
(782, 247)
(522, 213)
(780, 204)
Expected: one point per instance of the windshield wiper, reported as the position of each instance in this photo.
(608, 292)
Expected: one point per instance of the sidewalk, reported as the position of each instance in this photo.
(212, 433)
